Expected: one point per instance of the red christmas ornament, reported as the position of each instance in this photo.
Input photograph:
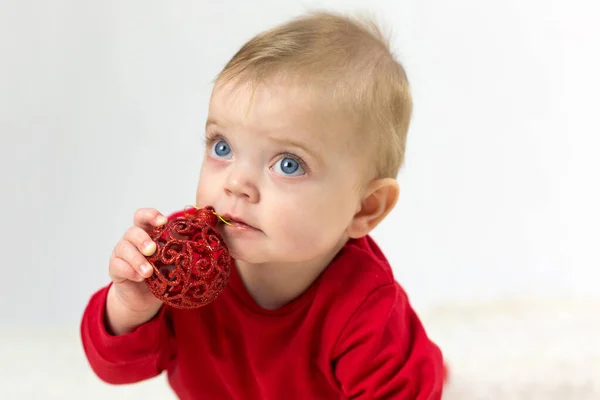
(192, 262)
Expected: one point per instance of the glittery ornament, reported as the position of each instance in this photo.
(192, 262)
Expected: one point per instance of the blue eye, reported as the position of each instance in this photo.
(289, 166)
(221, 149)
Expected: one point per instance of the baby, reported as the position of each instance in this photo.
(305, 135)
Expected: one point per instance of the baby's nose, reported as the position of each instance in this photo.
(240, 185)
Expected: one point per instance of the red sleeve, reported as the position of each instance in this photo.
(384, 352)
(129, 358)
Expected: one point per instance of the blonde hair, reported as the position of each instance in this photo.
(350, 63)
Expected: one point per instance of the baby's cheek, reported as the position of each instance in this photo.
(205, 194)
(305, 235)
(201, 199)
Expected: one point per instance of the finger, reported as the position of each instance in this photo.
(128, 252)
(148, 218)
(120, 270)
(141, 240)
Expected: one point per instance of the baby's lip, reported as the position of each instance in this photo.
(232, 219)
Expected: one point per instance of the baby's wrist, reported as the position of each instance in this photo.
(120, 319)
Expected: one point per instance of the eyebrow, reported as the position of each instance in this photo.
(290, 142)
(211, 121)
(281, 141)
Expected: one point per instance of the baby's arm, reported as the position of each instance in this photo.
(128, 358)
(124, 328)
(384, 352)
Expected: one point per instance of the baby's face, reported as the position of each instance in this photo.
(289, 178)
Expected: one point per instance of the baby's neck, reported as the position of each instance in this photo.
(274, 285)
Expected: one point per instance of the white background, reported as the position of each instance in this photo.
(103, 103)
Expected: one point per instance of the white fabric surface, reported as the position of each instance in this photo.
(505, 350)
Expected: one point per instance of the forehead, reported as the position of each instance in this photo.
(281, 110)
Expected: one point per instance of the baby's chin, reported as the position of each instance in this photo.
(249, 253)
(245, 257)
(241, 251)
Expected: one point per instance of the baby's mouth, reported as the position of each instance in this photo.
(238, 224)
(234, 223)
(223, 219)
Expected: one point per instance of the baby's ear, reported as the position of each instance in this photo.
(379, 198)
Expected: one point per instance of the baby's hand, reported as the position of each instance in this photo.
(130, 302)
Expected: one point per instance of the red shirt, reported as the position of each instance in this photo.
(351, 335)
